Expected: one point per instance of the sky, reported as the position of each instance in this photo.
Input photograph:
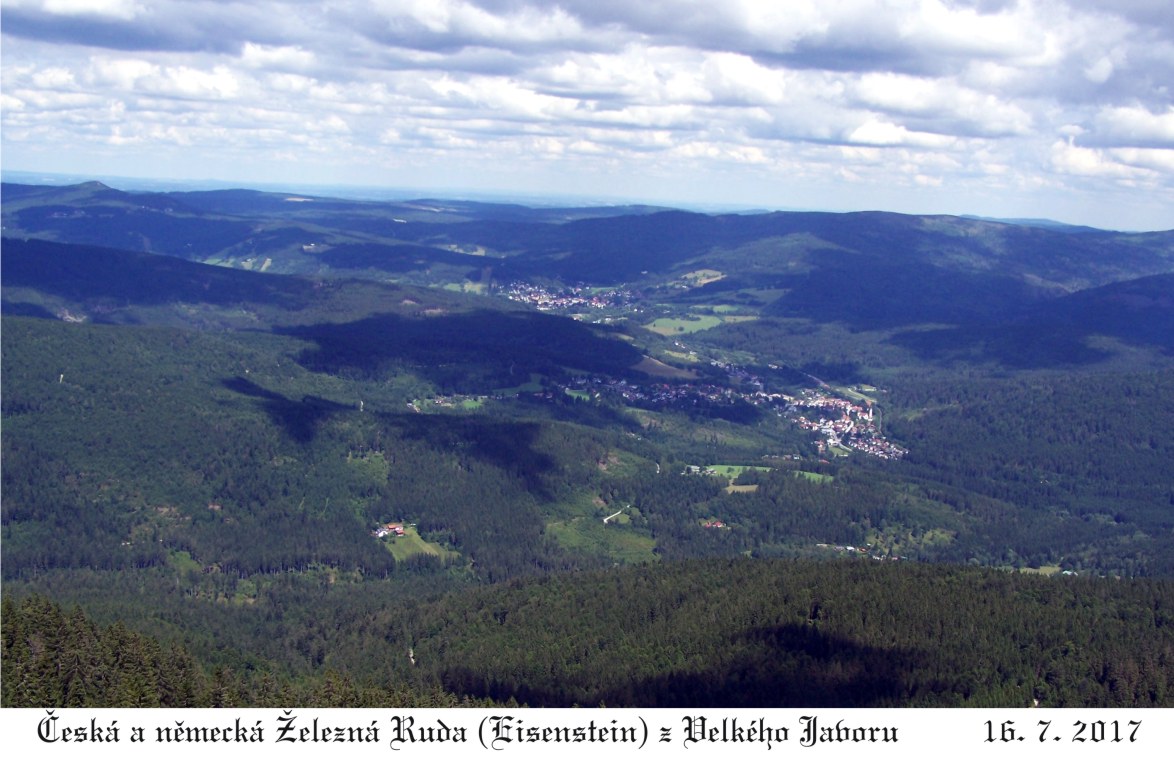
(1005, 108)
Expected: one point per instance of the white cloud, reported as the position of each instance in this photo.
(187, 82)
(960, 31)
(120, 74)
(733, 78)
(51, 103)
(411, 22)
(1156, 159)
(1069, 158)
(120, 9)
(1134, 125)
(140, 77)
(878, 133)
(54, 78)
(944, 102)
(721, 152)
(286, 57)
(1100, 70)
(10, 103)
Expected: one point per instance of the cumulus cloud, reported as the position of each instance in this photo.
(1143, 167)
(942, 105)
(286, 57)
(1136, 126)
(119, 9)
(943, 94)
(877, 133)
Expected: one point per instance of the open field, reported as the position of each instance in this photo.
(654, 367)
(733, 472)
(856, 393)
(457, 402)
(674, 326)
(698, 278)
(412, 544)
(535, 384)
(1046, 571)
(614, 539)
(814, 477)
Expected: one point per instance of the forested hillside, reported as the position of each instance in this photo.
(57, 658)
(715, 633)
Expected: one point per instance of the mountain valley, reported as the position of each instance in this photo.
(586, 423)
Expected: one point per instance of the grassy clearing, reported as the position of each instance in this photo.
(670, 426)
(762, 296)
(182, 561)
(613, 540)
(624, 464)
(937, 536)
(441, 403)
(690, 324)
(733, 472)
(855, 393)
(814, 477)
(702, 277)
(654, 367)
(372, 466)
(1046, 571)
(534, 385)
(412, 544)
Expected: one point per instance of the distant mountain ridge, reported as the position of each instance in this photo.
(864, 270)
(1036, 222)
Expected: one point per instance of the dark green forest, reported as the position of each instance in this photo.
(739, 633)
(216, 409)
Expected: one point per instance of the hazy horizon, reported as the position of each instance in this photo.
(521, 198)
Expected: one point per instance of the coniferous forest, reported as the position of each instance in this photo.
(361, 454)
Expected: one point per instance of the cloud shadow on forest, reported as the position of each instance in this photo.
(507, 445)
(471, 352)
(787, 665)
(781, 666)
(299, 418)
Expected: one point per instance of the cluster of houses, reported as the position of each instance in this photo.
(874, 554)
(843, 424)
(394, 529)
(574, 298)
(838, 422)
(667, 394)
(740, 375)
